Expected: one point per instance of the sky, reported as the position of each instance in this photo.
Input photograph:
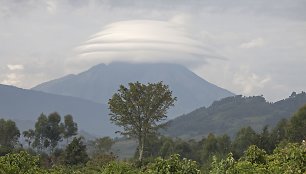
(248, 47)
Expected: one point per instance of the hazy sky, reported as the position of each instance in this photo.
(248, 47)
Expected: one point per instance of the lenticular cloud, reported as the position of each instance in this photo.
(143, 41)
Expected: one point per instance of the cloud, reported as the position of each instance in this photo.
(42, 35)
(249, 82)
(51, 6)
(12, 79)
(145, 41)
(15, 67)
(255, 43)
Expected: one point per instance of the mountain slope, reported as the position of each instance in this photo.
(26, 105)
(101, 81)
(230, 114)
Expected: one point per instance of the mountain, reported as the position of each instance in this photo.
(24, 107)
(100, 82)
(230, 114)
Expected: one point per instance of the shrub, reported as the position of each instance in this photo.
(173, 165)
(21, 162)
(119, 168)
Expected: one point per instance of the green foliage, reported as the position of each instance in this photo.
(53, 130)
(5, 150)
(255, 155)
(280, 131)
(99, 161)
(297, 126)
(9, 133)
(139, 109)
(40, 133)
(244, 138)
(29, 136)
(223, 166)
(230, 114)
(75, 153)
(70, 127)
(49, 131)
(19, 163)
(101, 145)
(290, 159)
(119, 168)
(173, 165)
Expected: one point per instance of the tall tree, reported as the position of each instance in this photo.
(244, 138)
(40, 134)
(297, 126)
(48, 131)
(280, 131)
(140, 109)
(54, 130)
(102, 145)
(75, 153)
(9, 133)
(29, 136)
(70, 127)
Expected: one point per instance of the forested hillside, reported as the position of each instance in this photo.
(228, 115)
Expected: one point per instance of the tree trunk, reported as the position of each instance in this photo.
(140, 148)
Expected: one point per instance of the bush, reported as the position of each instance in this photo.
(21, 162)
(173, 165)
(97, 163)
(290, 159)
(119, 168)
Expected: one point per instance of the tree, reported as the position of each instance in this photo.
(54, 130)
(29, 135)
(9, 133)
(70, 127)
(48, 131)
(173, 165)
(140, 109)
(244, 138)
(266, 140)
(102, 145)
(40, 134)
(297, 126)
(75, 152)
(280, 131)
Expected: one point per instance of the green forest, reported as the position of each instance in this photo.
(54, 146)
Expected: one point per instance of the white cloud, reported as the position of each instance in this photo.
(145, 41)
(249, 82)
(43, 42)
(51, 6)
(255, 43)
(13, 67)
(12, 79)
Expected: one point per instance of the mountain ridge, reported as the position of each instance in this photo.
(101, 81)
(23, 104)
(230, 114)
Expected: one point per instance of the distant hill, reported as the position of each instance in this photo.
(100, 82)
(228, 115)
(24, 107)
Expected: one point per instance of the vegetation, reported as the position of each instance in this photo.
(279, 149)
(228, 115)
(70, 127)
(289, 159)
(9, 134)
(75, 153)
(139, 109)
(49, 131)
